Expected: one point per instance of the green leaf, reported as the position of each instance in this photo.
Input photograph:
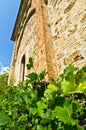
(49, 127)
(48, 114)
(81, 87)
(63, 115)
(32, 77)
(30, 63)
(36, 121)
(42, 74)
(67, 87)
(41, 105)
(40, 127)
(50, 89)
(23, 117)
(33, 111)
(47, 117)
(40, 112)
(53, 82)
(70, 70)
(4, 119)
(68, 106)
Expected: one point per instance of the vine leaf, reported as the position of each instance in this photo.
(50, 89)
(67, 87)
(81, 88)
(33, 111)
(40, 127)
(30, 63)
(32, 77)
(42, 74)
(63, 115)
(3, 119)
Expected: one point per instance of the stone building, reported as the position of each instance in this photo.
(52, 32)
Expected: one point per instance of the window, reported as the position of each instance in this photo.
(46, 2)
(22, 71)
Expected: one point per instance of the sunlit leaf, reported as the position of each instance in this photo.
(63, 115)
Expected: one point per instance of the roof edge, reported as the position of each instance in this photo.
(22, 8)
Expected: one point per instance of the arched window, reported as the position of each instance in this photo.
(22, 71)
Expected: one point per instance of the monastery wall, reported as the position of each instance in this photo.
(26, 48)
(53, 33)
(67, 20)
(24, 43)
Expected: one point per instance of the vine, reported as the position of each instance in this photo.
(37, 105)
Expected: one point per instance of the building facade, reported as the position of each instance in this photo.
(52, 32)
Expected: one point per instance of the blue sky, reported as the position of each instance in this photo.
(8, 14)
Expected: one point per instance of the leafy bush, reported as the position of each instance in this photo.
(37, 105)
(3, 81)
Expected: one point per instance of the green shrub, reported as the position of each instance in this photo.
(37, 105)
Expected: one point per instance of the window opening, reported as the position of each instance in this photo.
(23, 68)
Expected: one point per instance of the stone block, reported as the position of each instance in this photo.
(76, 56)
(70, 6)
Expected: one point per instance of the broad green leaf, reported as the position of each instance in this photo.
(70, 69)
(48, 113)
(33, 111)
(81, 87)
(30, 63)
(63, 115)
(68, 106)
(53, 82)
(50, 89)
(32, 77)
(47, 116)
(44, 121)
(40, 112)
(42, 74)
(67, 87)
(41, 105)
(4, 119)
(40, 127)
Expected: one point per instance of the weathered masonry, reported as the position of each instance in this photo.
(52, 32)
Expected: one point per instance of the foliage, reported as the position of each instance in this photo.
(30, 63)
(37, 105)
(3, 81)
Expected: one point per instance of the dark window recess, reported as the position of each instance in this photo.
(22, 68)
(46, 2)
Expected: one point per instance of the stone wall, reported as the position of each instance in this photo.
(24, 42)
(53, 33)
(26, 47)
(67, 20)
